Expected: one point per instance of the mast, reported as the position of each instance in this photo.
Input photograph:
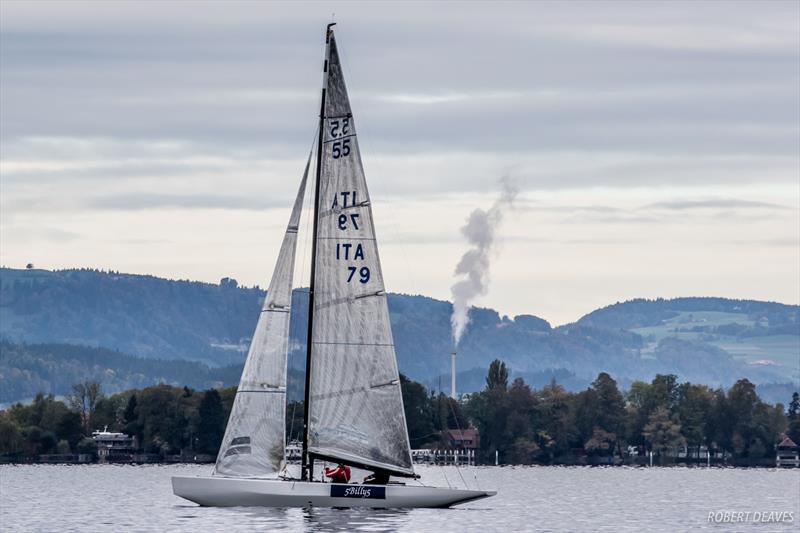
(307, 461)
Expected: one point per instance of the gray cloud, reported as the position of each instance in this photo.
(186, 201)
(646, 118)
(569, 208)
(658, 212)
(568, 241)
(551, 76)
(714, 203)
(141, 242)
(113, 171)
(44, 234)
(611, 218)
(791, 243)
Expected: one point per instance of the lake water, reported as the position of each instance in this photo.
(139, 498)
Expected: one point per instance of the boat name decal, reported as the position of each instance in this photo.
(358, 491)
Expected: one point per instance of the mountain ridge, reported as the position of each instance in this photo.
(702, 339)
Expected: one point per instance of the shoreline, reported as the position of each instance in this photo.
(759, 464)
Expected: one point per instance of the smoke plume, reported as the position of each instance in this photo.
(473, 267)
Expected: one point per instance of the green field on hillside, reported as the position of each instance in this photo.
(688, 320)
(781, 349)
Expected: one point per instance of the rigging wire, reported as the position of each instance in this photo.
(444, 472)
(293, 324)
(458, 426)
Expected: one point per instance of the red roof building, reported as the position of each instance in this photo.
(462, 439)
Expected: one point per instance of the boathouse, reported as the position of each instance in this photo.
(788, 454)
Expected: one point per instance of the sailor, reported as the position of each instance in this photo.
(379, 477)
(340, 474)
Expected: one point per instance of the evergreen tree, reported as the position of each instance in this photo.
(585, 415)
(419, 417)
(497, 377)
(212, 423)
(793, 416)
(130, 415)
(488, 411)
(694, 405)
(11, 441)
(130, 418)
(554, 420)
(794, 407)
(521, 424)
(610, 403)
(664, 392)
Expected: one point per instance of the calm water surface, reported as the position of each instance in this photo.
(139, 498)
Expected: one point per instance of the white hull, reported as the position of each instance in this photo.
(218, 491)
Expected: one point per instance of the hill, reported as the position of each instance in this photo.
(140, 315)
(765, 334)
(26, 370)
(706, 315)
(704, 340)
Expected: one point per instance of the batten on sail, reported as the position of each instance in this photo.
(254, 441)
(355, 403)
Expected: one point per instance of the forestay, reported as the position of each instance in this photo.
(255, 436)
(356, 406)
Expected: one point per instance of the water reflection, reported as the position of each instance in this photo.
(335, 519)
(253, 518)
(562, 499)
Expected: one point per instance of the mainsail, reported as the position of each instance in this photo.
(355, 403)
(255, 436)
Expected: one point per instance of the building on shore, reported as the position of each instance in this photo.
(461, 439)
(114, 446)
(788, 454)
(457, 447)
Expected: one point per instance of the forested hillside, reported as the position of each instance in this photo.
(703, 340)
(757, 318)
(140, 315)
(26, 370)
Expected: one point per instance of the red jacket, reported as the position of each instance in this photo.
(340, 474)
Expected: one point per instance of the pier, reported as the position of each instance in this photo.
(444, 457)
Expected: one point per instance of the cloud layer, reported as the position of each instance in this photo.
(170, 140)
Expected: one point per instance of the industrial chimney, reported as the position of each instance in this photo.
(453, 375)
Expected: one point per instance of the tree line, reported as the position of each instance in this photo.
(552, 425)
(521, 424)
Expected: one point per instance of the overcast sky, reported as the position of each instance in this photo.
(656, 145)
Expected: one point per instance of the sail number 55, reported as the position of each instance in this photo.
(340, 128)
(340, 148)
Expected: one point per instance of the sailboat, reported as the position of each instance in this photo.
(353, 410)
